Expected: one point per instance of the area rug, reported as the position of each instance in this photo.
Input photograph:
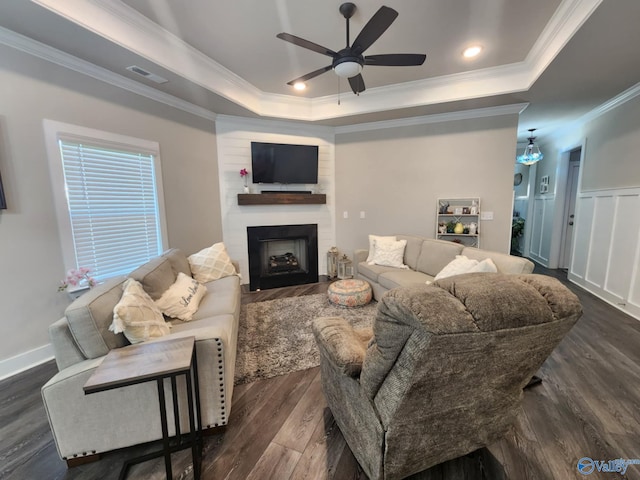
(275, 337)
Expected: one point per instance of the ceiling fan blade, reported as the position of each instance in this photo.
(382, 19)
(311, 75)
(301, 42)
(357, 84)
(396, 59)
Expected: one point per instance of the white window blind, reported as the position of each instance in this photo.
(113, 207)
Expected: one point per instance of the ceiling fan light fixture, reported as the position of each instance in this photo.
(348, 69)
(300, 86)
(531, 153)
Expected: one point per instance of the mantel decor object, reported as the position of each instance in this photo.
(345, 268)
(244, 173)
(332, 263)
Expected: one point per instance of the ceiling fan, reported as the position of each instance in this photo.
(348, 62)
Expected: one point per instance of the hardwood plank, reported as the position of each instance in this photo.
(348, 467)
(299, 427)
(322, 454)
(251, 439)
(276, 462)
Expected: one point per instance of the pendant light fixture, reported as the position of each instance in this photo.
(531, 153)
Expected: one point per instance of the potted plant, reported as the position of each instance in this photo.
(517, 230)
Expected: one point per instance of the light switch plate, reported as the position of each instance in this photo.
(486, 216)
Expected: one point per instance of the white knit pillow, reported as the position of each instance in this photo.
(211, 263)
(460, 265)
(389, 254)
(372, 244)
(181, 300)
(486, 266)
(137, 315)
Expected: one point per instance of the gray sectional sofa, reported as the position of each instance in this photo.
(86, 425)
(425, 257)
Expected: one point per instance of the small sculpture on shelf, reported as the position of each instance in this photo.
(450, 227)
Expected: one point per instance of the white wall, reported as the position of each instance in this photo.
(30, 252)
(396, 175)
(606, 246)
(234, 137)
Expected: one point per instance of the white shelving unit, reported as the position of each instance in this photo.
(453, 211)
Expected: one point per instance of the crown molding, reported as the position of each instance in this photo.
(606, 107)
(565, 22)
(45, 52)
(129, 29)
(516, 108)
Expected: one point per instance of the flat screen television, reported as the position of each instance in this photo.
(282, 163)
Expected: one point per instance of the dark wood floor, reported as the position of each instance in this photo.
(587, 406)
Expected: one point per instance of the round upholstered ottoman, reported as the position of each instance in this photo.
(350, 293)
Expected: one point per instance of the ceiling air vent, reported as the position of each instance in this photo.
(148, 75)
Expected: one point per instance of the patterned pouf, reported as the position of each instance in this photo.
(350, 293)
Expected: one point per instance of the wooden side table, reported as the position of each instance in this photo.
(157, 361)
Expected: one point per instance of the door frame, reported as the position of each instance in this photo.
(565, 217)
(562, 174)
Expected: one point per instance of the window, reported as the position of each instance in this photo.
(110, 215)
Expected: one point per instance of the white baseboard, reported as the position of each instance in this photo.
(25, 361)
(628, 308)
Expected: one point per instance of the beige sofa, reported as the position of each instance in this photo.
(425, 257)
(86, 425)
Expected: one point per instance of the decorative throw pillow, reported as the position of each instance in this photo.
(389, 253)
(486, 266)
(137, 315)
(460, 265)
(211, 263)
(181, 300)
(372, 244)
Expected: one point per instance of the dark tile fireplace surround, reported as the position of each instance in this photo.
(282, 255)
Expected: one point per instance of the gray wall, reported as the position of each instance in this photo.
(395, 176)
(609, 162)
(30, 252)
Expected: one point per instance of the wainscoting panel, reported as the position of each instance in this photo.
(624, 239)
(606, 251)
(601, 233)
(582, 236)
(542, 229)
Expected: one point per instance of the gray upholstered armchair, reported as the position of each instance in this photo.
(442, 372)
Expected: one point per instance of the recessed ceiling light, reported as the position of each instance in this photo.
(472, 51)
(299, 85)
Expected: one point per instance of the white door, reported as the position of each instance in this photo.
(570, 210)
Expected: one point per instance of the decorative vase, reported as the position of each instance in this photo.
(459, 228)
(246, 189)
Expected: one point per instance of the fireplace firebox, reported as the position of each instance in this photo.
(282, 255)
